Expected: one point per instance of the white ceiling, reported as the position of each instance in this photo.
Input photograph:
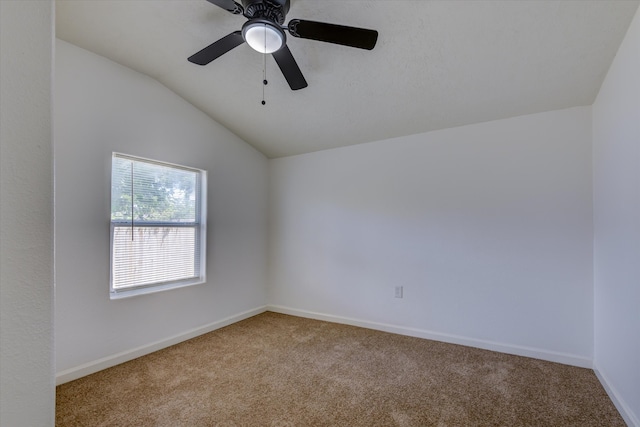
(437, 64)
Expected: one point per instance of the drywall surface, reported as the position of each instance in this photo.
(102, 107)
(616, 166)
(488, 229)
(27, 396)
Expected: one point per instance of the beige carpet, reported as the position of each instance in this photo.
(277, 370)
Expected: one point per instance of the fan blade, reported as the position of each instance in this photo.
(332, 33)
(217, 49)
(289, 68)
(228, 5)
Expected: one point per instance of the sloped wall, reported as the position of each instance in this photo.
(103, 107)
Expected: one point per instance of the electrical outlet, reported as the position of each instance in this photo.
(398, 292)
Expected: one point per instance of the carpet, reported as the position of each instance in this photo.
(280, 370)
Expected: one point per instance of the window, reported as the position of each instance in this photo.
(158, 226)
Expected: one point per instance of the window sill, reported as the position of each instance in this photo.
(128, 293)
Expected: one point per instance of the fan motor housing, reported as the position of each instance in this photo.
(272, 10)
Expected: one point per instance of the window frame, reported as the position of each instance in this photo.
(199, 225)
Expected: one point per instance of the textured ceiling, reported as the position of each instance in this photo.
(437, 64)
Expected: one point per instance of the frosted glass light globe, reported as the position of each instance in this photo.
(263, 38)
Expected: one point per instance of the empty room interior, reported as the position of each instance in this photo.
(470, 177)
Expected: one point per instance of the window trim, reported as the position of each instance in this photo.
(200, 226)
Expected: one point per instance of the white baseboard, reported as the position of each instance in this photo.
(627, 414)
(125, 356)
(116, 359)
(566, 359)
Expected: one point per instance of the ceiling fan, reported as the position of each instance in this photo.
(264, 32)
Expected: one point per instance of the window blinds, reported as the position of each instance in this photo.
(155, 224)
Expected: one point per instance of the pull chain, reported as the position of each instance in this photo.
(264, 77)
(264, 65)
(132, 201)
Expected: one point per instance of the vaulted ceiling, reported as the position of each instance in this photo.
(437, 64)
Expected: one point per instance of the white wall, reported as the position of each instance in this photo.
(103, 107)
(487, 227)
(616, 165)
(26, 207)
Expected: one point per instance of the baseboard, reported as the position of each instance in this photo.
(566, 359)
(116, 359)
(125, 356)
(627, 414)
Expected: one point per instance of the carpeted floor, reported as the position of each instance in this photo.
(278, 370)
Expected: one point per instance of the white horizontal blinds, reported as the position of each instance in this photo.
(154, 255)
(155, 223)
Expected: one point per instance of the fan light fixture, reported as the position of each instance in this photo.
(263, 36)
(265, 32)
